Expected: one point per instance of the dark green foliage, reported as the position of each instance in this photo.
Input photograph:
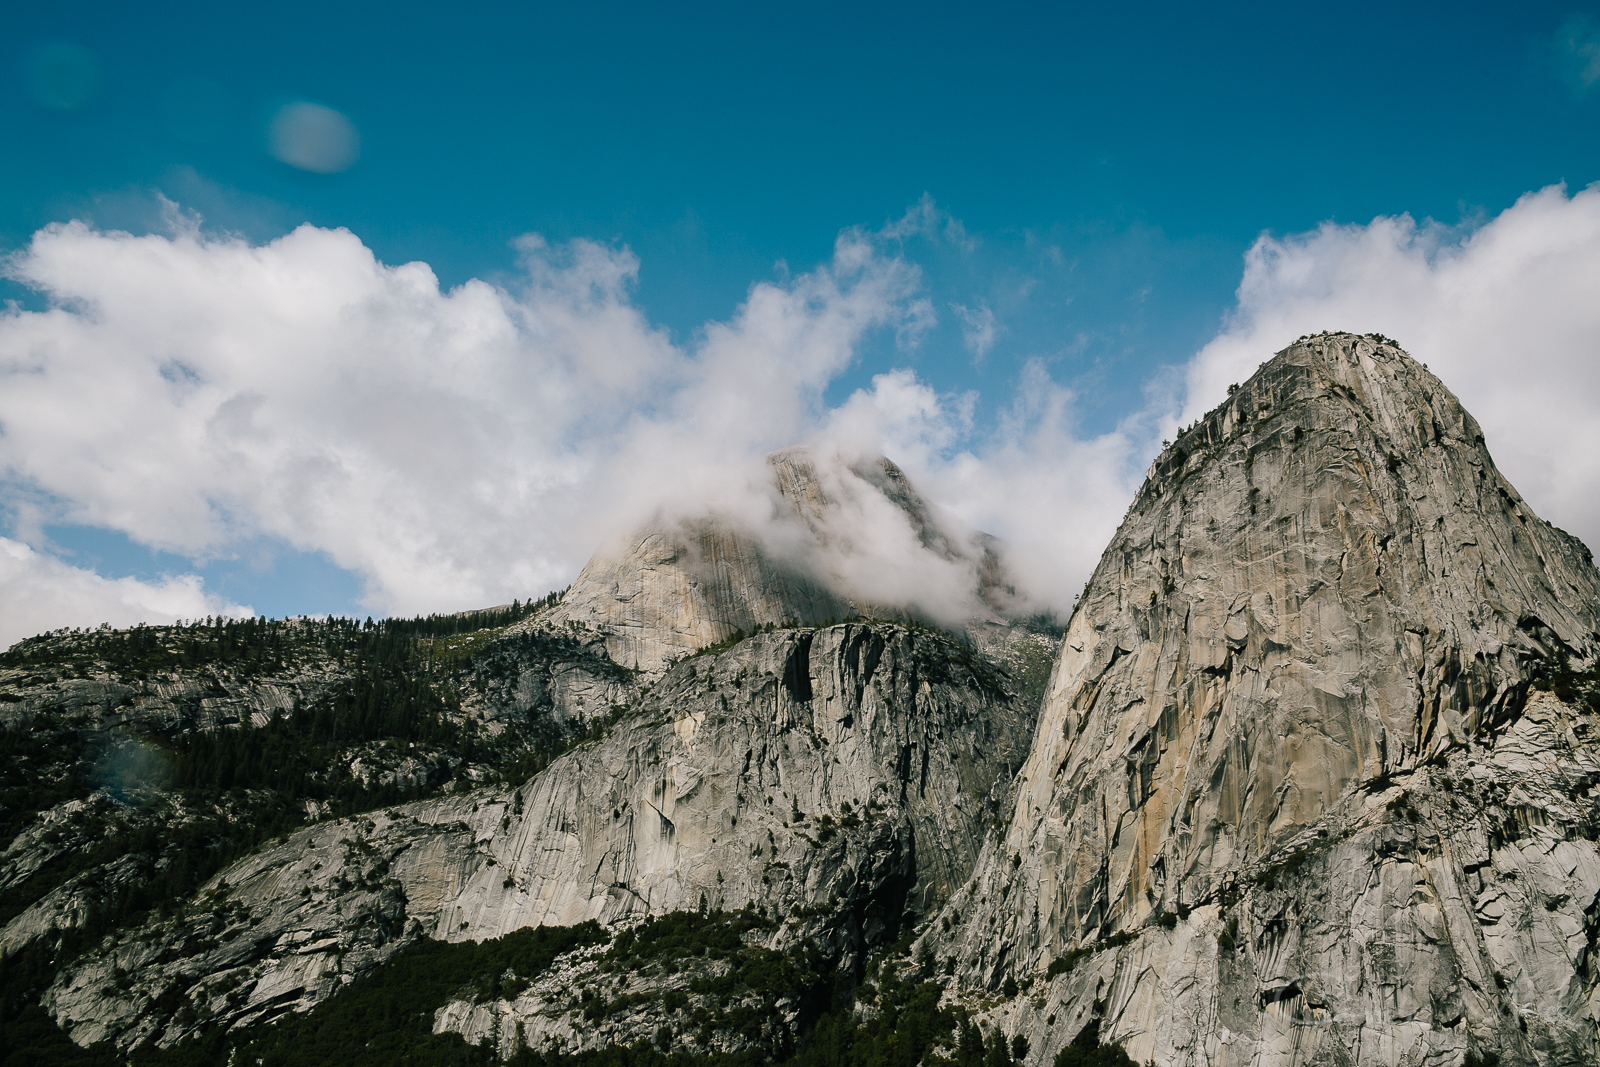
(468, 621)
(29, 1037)
(246, 646)
(243, 786)
(998, 1054)
(1228, 939)
(1481, 1059)
(908, 1025)
(1064, 963)
(682, 934)
(386, 1017)
(1087, 1051)
(747, 995)
(643, 1054)
(27, 783)
(1581, 689)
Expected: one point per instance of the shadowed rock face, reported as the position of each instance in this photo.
(675, 590)
(1289, 800)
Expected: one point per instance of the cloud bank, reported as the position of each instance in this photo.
(453, 448)
(456, 448)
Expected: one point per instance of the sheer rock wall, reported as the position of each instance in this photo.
(1289, 800)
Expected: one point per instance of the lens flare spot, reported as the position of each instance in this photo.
(311, 137)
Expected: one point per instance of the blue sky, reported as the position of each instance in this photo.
(1091, 177)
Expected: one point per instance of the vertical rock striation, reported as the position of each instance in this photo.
(841, 779)
(1290, 799)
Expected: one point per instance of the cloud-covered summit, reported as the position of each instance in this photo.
(453, 448)
(842, 536)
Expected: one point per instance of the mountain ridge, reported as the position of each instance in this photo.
(1314, 778)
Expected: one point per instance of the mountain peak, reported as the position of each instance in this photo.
(675, 587)
(1369, 376)
(1323, 588)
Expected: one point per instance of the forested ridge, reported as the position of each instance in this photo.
(168, 801)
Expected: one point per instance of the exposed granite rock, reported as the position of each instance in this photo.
(102, 732)
(840, 778)
(543, 673)
(276, 933)
(1290, 800)
(682, 1001)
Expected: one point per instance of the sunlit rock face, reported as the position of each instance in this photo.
(1290, 799)
(841, 779)
(675, 588)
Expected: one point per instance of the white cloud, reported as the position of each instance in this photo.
(453, 448)
(1507, 313)
(927, 219)
(458, 448)
(978, 328)
(42, 593)
(1053, 497)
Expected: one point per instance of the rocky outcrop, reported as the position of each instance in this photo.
(1290, 799)
(840, 778)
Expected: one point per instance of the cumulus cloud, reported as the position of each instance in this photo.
(1505, 312)
(42, 593)
(453, 448)
(1052, 494)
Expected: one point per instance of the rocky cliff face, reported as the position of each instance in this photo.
(841, 779)
(718, 755)
(1315, 779)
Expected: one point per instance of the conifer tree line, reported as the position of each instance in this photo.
(253, 645)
